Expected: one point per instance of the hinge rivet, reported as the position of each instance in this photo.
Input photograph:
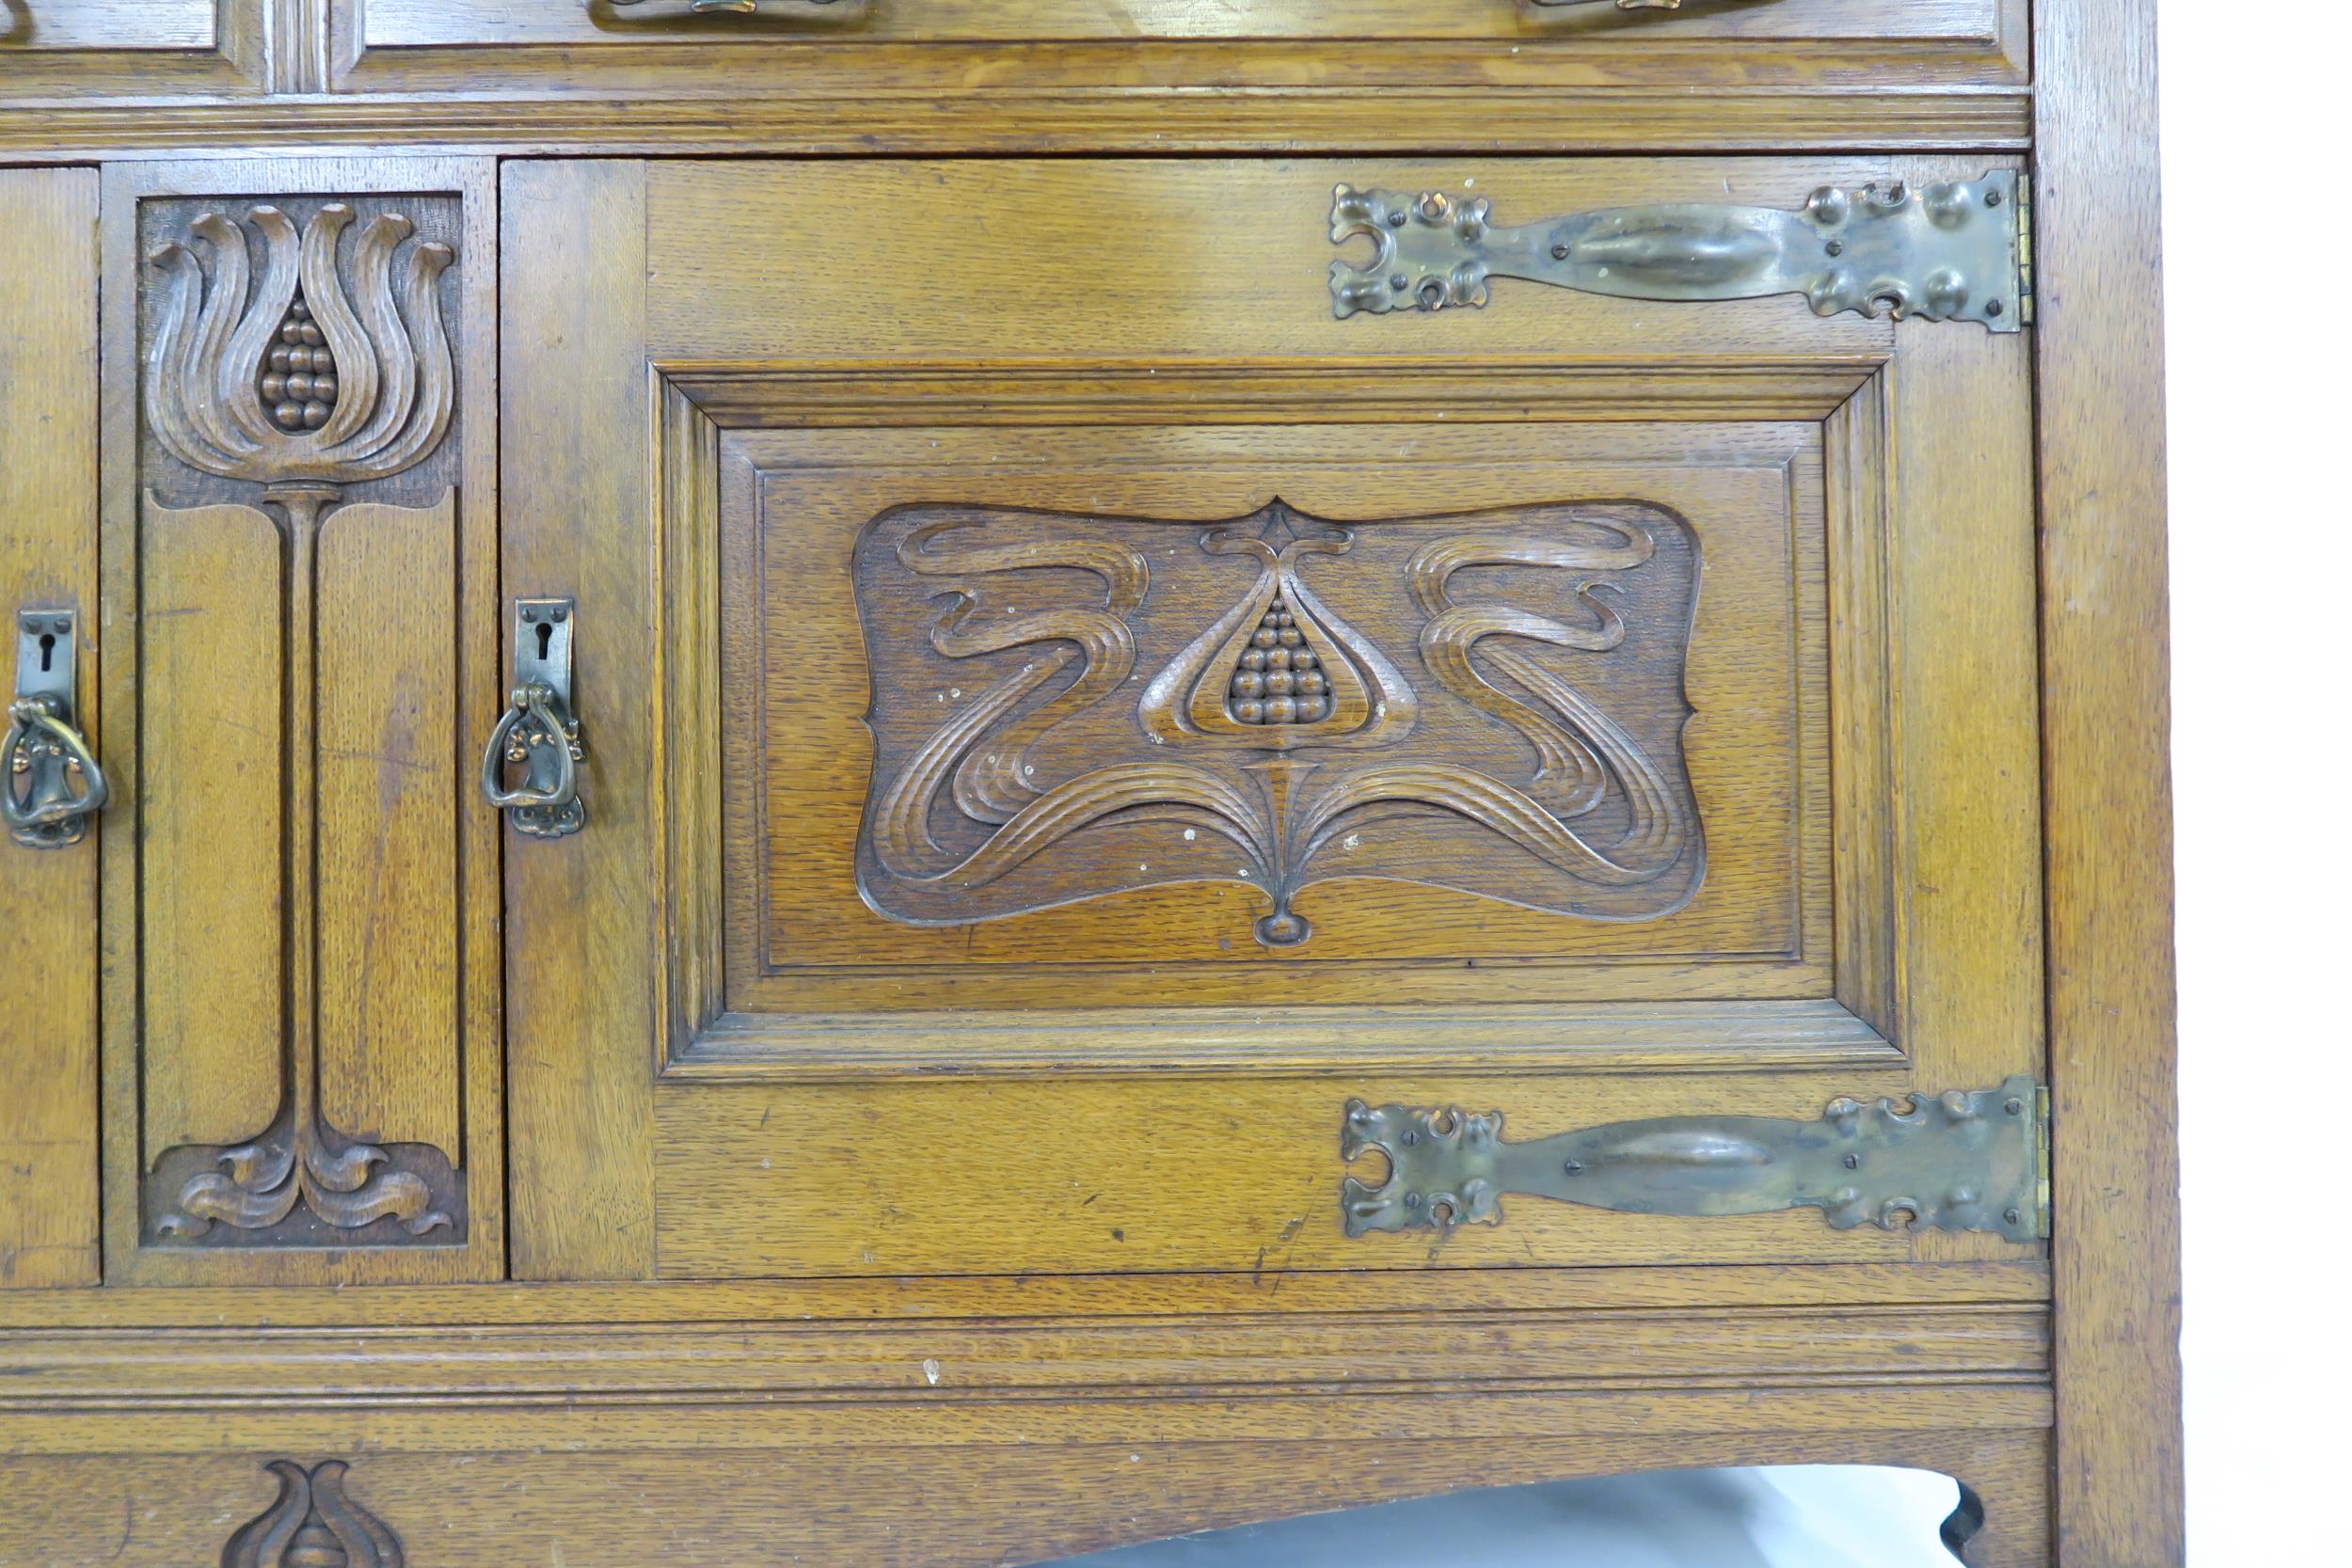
(1560, 252)
(1836, 248)
(2015, 1107)
(2012, 1215)
(1993, 199)
(1992, 307)
(1854, 1162)
(1396, 281)
(1574, 1167)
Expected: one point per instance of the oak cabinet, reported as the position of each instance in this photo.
(1009, 910)
(933, 783)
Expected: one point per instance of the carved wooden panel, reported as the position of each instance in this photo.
(313, 1524)
(1066, 707)
(994, 721)
(301, 986)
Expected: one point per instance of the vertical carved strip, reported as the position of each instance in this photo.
(387, 923)
(292, 354)
(211, 819)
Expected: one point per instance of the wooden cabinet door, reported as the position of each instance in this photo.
(1653, 735)
(49, 562)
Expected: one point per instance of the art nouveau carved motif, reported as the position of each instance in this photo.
(1490, 702)
(323, 365)
(313, 1524)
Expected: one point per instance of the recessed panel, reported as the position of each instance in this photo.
(1215, 714)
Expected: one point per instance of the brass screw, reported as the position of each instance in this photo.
(1993, 199)
(1560, 252)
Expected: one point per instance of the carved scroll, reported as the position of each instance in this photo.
(289, 356)
(1066, 707)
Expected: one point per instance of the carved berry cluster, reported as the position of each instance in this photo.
(1277, 681)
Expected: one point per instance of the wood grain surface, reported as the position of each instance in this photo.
(49, 559)
(243, 888)
(842, 1239)
(2106, 707)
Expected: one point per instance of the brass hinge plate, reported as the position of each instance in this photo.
(1966, 1159)
(1954, 250)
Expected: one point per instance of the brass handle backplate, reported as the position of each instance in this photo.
(539, 732)
(1954, 250)
(50, 783)
(1966, 1159)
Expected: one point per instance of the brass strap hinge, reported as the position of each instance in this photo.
(1955, 250)
(1965, 1160)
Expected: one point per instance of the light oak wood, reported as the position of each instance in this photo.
(197, 1038)
(847, 1241)
(391, 923)
(94, 50)
(1040, 1483)
(1036, 1298)
(1399, 120)
(2107, 787)
(811, 1179)
(211, 887)
(49, 559)
(503, 45)
(581, 1033)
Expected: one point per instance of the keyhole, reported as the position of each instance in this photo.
(546, 639)
(48, 649)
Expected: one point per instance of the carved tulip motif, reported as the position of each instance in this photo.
(305, 366)
(313, 1524)
(286, 374)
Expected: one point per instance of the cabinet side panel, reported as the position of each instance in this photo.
(2108, 794)
(49, 557)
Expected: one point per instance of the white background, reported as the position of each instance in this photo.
(2258, 262)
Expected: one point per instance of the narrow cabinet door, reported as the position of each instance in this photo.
(301, 998)
(1242, 716)
(49, 594)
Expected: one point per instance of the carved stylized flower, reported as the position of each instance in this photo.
(290, 374)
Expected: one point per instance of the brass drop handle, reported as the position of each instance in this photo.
(539, 730)
(512, 742)
(62, 785)
(65, 783)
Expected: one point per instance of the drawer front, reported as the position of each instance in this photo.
(63, 49)
(936, 46)
(1076, 731)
